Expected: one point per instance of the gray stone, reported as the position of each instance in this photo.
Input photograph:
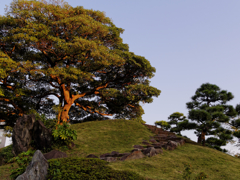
(138, 147)
(37, 169)
(173, 144)
(159, 151)
(110, 159)
(133, 155)
(22, 134)
(103, 156)
(114, 154)
(54, 154)
(149, 152)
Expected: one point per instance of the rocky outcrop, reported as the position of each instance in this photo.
(27, 129)
(41, 136)
(155, 145)
(22, 134)
(37, 169)
(54, 154)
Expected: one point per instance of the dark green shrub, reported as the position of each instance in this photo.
(6, 154)
(22, 160)
(86, 169)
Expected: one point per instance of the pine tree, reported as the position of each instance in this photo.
(76, 55)
(209, 111)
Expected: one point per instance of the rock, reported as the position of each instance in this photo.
(114, 154)
(91, 156)
(159, 151)
(146, 143)
(168, 147)
(37, 169)
(150, 145)
(103, 156)
(149, 152)
(138, 147)
(110, 159)
(136, 150)
(173, 144)
(182, 141)
(152, 140)
(22, 134)
(157, 145)
(133, 155)
(54, 154)
(123, 154)
(41, 136)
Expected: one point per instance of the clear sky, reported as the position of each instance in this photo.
(188, 42)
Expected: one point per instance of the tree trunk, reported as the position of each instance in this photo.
(64, 113)
(68, 101)
(201, 138)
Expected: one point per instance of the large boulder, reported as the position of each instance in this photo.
(54, 154)
(42, 136)
(37, 169)
(22, 134)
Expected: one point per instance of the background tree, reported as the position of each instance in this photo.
(235, 124)
(77, 56)
(177, 123)
(163, 124)
(209, 112)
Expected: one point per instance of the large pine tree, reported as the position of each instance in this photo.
(76, 55)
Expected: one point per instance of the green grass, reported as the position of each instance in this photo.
(100, 137)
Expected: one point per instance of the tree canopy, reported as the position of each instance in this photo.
(208, 115)
(76, 55)
(209, 111)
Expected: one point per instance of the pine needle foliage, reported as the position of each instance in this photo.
(78, 56)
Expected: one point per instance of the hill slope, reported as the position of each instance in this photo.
(101, 137)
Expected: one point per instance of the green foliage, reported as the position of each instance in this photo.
(208, 112)
(163, 124)
(90, 62)
(85, 168)
(6, 154)
(187, 174)
(22, 160)
(63, 135)
(138, 119)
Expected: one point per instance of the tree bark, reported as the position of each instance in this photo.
(201, 138)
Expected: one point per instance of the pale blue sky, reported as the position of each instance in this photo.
(188, 42)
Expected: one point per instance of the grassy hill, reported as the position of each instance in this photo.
(100, 137)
